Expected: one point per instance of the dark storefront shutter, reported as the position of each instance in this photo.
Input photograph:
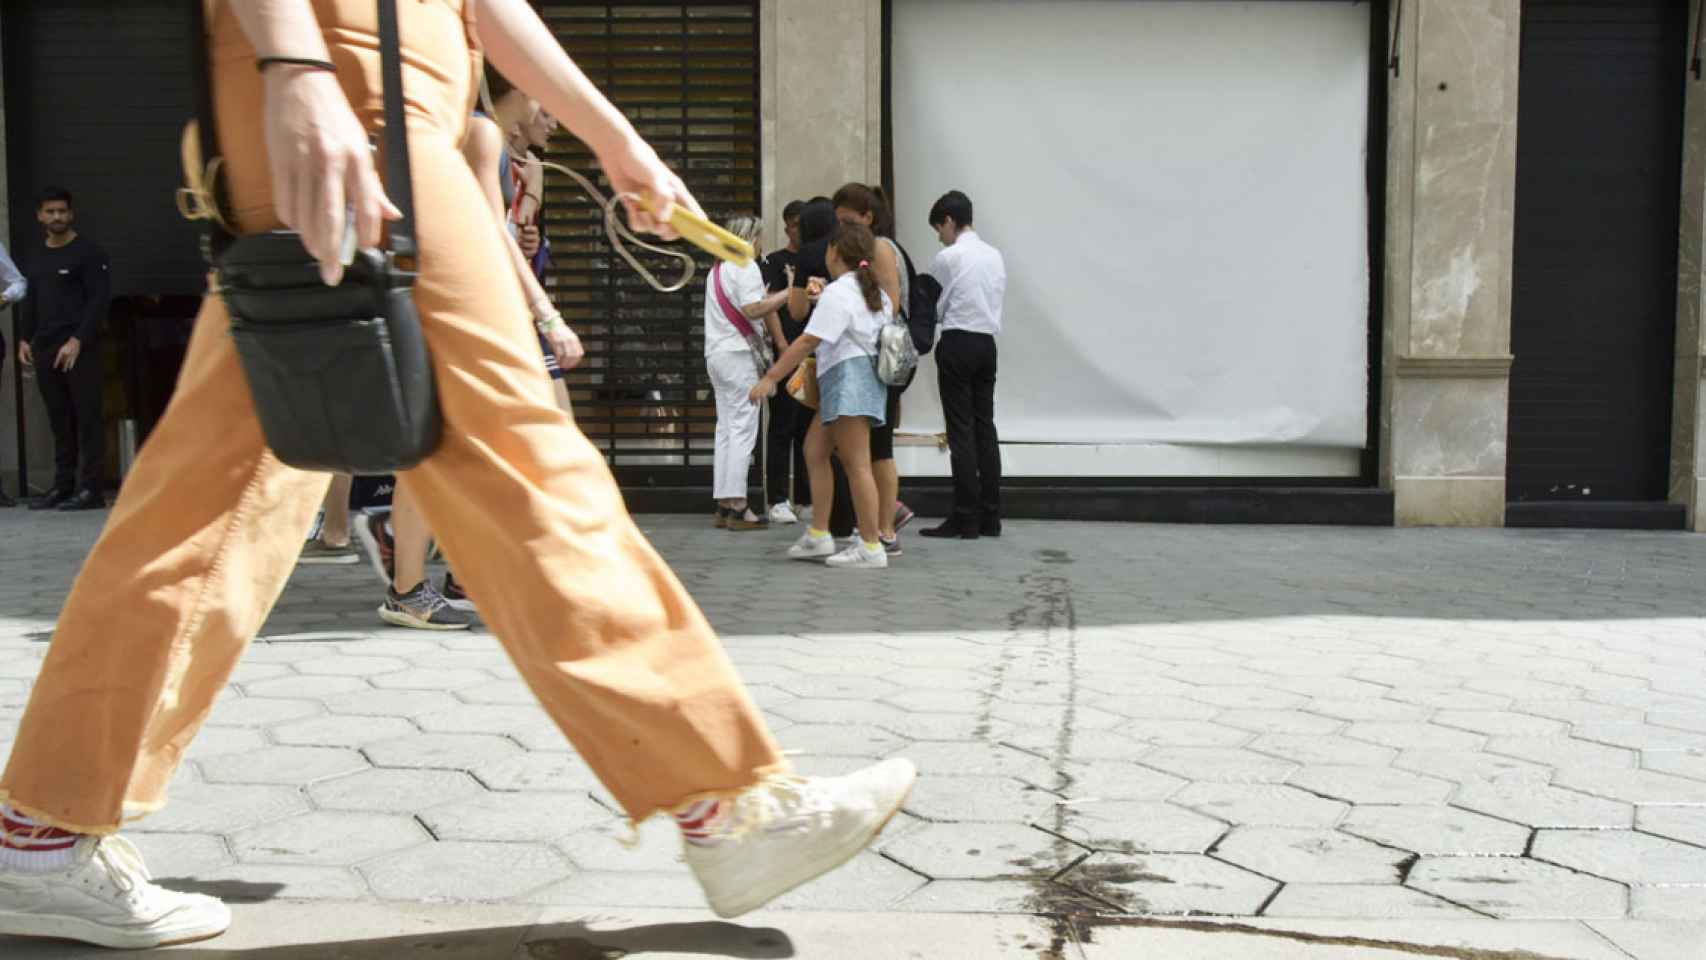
(687, 74)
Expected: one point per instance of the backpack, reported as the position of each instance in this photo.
(923, 291)
(897, 357)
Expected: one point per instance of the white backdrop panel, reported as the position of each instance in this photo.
(1179, 189)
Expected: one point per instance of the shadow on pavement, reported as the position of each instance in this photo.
(548, 941)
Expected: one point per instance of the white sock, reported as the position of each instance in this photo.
(30, 847)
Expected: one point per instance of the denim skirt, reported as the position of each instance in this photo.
(851, 389)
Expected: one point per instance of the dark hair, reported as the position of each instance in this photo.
(855, 244)
(953, 204)
(870, 201)
(817, 221)
(496, 84)
(50, 194)
(820, 199)
(792, 210)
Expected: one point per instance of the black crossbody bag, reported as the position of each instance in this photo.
(341, 377)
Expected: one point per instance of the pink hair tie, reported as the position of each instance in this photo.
(864, 263)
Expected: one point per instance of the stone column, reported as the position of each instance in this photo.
(820, 80)
(1451, 169)
(1688, 418)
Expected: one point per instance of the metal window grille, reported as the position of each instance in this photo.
(687, 75)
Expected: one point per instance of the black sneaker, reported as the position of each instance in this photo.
(85, 500)
(52, 499)
(423, 608)
(455, 595)
(951, 529)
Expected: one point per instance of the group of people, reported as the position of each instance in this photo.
(62, 294)
(822, 301)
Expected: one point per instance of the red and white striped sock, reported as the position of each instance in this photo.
(30, 847)
(699, 823)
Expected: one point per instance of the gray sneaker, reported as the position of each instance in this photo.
(318, 551)
(423, 608)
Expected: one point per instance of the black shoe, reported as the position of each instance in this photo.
(51, 499)
(990, 527)
(87, 500)
(950, 530)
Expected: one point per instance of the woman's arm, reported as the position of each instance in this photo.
(483, 149)
(523, 50)
(887, 269)
(765, 307)
(317, 151)
(785, 364)
(532, 189)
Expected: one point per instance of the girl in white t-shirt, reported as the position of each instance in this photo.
(730, 364)
(843, 334)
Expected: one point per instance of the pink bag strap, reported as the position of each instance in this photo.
(734, 316)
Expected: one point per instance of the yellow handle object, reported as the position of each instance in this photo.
(705, 235)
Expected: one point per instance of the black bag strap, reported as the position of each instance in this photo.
(399, 185)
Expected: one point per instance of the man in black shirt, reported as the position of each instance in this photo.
(69, 292)
(788, 420)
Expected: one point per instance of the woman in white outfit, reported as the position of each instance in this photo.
(734, 368)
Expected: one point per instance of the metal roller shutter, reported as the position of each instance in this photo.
(687, 74)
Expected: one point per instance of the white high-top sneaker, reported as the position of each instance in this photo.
(106, 898)
(783, 512)
(789, 830)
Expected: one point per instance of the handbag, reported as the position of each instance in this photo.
(762, 355)
(340, 376)
(802, 386)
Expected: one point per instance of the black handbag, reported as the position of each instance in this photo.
(340, 376)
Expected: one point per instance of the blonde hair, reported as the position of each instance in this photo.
(746, 227)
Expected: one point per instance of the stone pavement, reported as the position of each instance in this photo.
(1312, 728)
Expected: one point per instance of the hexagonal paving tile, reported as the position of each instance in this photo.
(1339, 901)
(1539, 805)
(844, 739)
(537, 771)
(465, 871)
(224, 808)
(311, 687)
(982, 851)
(339, 731)
(1437, 831)
(1501, 723)
(1633, 786)
(1306, 749)
(1641, 736)
(431, 678)
(1622, 855)
(1668, 903)
(392, 791)
(1372, 785)
(1220, 765)
(1179, 733)
(283, 765)
(1293, 723)
(981, 759)
(1681, 763)
(601, 890)
(171, 855)
(1310, 856)
(277, 881)
(1516, 889)
(1467, 767)
(328, 838)
(867, 882)
(447, 751)
(1687, 824)
(836, 687)
(1116, 781)
(391, 703)
(513, 817)
(351, 666)
(258, 711)
(1171, 884)
(1261, 804)
(605, 847)
(1562, 752)
(1416, 736)
(493, 718)
(1131, 827)
(980, 799)
(218, 741)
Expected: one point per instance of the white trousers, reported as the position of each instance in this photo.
(733, 376)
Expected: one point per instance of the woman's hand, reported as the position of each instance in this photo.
(322, 165)
(763, 390)
(565, 346)
(815, 287)
(634, 168)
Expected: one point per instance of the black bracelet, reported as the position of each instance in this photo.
(264, 62)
